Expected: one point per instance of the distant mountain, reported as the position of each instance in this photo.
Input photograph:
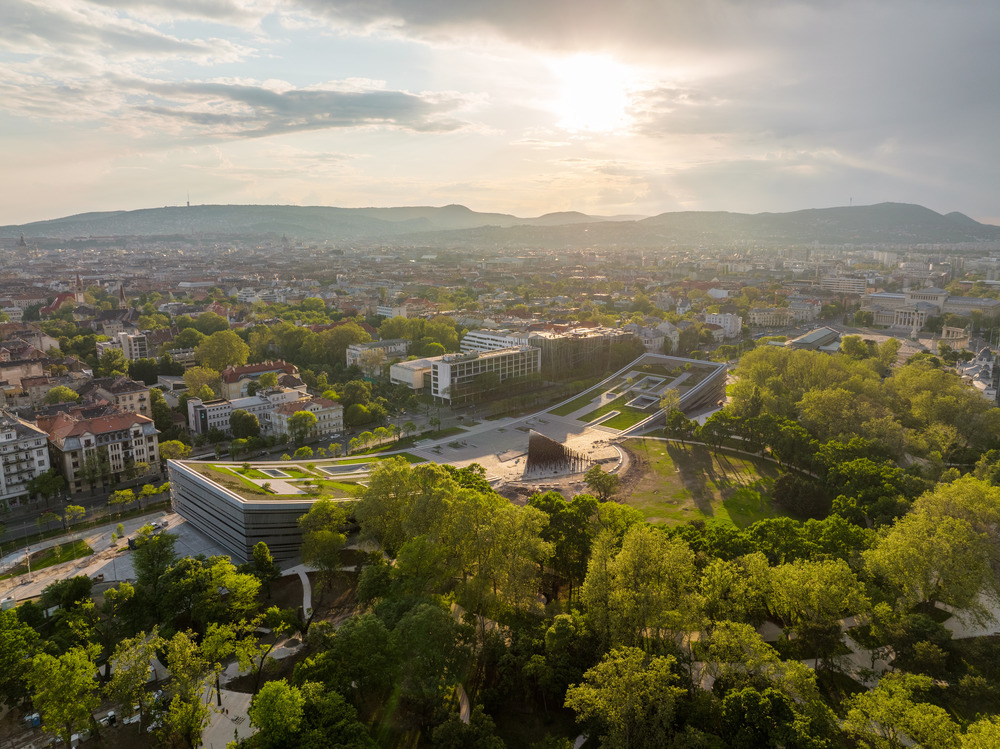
(886, 223)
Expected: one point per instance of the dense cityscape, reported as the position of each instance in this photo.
(283, 492)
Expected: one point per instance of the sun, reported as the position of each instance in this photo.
(594, 93)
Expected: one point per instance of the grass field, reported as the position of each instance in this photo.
(627, 417)
(52, 556)
(577, 403)
(695, 482)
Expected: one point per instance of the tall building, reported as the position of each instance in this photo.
(23, 456)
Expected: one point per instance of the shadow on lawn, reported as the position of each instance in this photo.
(727, 478)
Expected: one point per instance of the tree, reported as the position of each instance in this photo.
(323, 539)
(263, 566)
(670, 401)
(154, 554)
(63, 690)
(888, 717)
(72, 514)
(47, 485)
(163, 415)
(96, 466)
(571, 530)
(18, 643)
(222, 349)
(276, 710)
(268, 380)
(127, 687)
(174, 450)
(301, 425)
(144, 370)
(926, 559)
(603, 485)
(479, 733)
(111, 364)
(208, 323)
(812, 597)
(61, 394)
(198, 378)
(629, 698)
(243, 424)
(188, 713)
(187, 338)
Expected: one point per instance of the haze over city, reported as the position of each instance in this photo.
(524, 108)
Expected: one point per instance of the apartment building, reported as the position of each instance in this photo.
(122, 392)
(23, 456)
(100, 450)
(132, 345)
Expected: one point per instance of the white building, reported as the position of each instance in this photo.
(670, 333)
(732, 325)
(329, 416)
(911, 308)
(491, 340)
(217, 414)
(387, 310)
(459, 377)
(454, 376)
(133, 346)
(843, 284)
(23, 456)
(393, 348)
(771, 317)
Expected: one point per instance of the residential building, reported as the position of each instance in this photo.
(732, 325)
(652, 338)
(204, 416)
(23, 456)
(805, 310)
(132, 345)
(236, 379)
(670, 333)
(771, 317)
(387, 310)
(123, 392)
(100, 450)
(329, 416)
(383, 353)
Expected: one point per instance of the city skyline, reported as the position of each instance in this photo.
(521, 108)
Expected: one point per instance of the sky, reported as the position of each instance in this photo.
(624, 107)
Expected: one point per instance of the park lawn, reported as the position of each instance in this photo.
(627, 418)
(52, 556)
(577, 403)
(408, 457)
(694, 482)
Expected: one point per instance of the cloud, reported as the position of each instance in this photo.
(74, 29)
(228, 108)
(253, 110)
(235, 12)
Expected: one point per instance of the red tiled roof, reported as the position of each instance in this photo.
(63, 425)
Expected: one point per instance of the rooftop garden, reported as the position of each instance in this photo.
(294, 480)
